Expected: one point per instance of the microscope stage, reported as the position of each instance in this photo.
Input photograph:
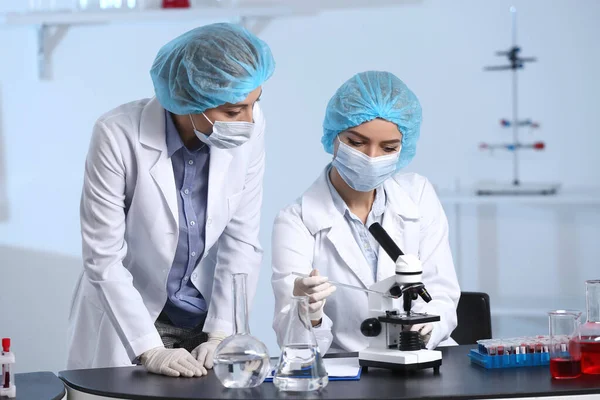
(412, 319)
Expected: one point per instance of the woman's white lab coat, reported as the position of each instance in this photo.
(129, 224)
(312, 233)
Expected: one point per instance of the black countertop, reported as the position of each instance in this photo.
(39, 386)
(458, 379)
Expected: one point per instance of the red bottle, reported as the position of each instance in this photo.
(175, 3)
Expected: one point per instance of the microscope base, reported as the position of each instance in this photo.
(400, 360)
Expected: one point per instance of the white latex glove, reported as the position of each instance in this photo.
(424, 331)
(317, 289)
(172, 362)
(206, 351)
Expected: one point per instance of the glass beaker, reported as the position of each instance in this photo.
(241, 360)
(565, 357)
(590, 331)
(300, 366)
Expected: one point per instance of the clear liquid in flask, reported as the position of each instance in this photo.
(300, 368)
(242, 370)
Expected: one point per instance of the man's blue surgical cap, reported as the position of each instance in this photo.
(369, 95)
(210, 66)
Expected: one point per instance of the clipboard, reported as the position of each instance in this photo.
(339, 369)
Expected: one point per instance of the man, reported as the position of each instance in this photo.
(171, 208)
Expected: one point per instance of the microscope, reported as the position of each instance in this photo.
(392, 344)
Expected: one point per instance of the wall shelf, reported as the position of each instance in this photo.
(53, 26)
(575, 196)
(255, 15)
(537, 313)
(148, 15)
(488, 279)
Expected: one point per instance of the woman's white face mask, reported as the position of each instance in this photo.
(225, 135)
(361, 172)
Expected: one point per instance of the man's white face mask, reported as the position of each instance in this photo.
(225, 135)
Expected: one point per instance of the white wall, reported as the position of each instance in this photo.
(437, 46)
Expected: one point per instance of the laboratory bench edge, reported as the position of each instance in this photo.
(458, 379)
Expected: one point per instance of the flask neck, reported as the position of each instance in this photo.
(240, 307)
(299, 330)
(592, 296)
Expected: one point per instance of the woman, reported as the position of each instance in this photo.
(371, 127)
(171, 208)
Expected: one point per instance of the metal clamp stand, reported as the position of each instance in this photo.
(516, 187)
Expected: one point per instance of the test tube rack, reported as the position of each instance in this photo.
(530, 351)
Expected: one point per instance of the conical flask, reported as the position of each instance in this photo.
(300, 365)
(241, 360)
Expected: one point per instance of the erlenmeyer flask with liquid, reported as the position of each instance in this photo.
(590, 331)
(241, 360)
(300, 366)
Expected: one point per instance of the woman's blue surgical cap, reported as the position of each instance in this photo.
(210, 66)
(369, 95)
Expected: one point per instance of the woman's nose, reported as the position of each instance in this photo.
(248, 117)
(373, 151)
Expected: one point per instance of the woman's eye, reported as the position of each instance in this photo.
(232, 114)
(390, 149)
(354, 143)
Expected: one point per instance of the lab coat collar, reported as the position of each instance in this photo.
(319, 211)
(318, 208)
(152, 134)
(152, 126)
(396, 221)
(398, 199)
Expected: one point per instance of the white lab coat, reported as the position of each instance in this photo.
(129, 224)
(312, 233)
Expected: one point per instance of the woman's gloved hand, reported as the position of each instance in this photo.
(317, 289)
(424, 331)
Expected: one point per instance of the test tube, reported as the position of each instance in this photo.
(6, 368)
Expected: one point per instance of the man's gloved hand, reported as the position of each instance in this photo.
(204, 353)
(172, 362)
(317, 289)
(424, 331)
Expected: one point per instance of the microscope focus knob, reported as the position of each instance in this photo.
(370, 327)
